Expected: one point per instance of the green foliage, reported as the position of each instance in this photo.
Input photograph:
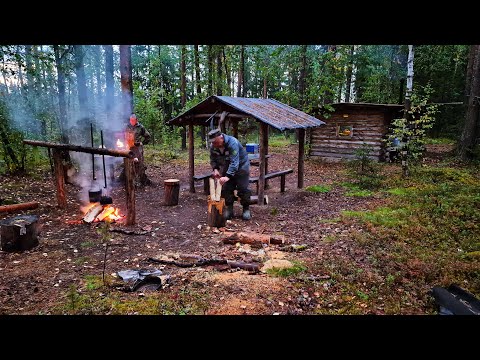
(319, 188)
(364, 171)
(414, 133)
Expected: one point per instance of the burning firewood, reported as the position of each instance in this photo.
(107, 211)
(92, 213)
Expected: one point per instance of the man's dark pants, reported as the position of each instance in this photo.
(240, 183)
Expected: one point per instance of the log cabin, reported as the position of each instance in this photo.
(349, 127)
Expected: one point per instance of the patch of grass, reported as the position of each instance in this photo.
(399, 191)
(329, 238)
(189, 300)
(278, 141)
(439, 141)
(81, 260)
(319, 188)
(330, 221)
(87, 244)
(359, 193)
(287, 272)
(93, 282)
(274, 211)
(383, 216)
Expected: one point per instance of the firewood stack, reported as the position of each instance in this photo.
(216, 205)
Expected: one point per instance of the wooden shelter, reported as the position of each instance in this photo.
(234, 109)
(350, 126)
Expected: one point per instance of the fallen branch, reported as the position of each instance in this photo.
(252, 267)
(129, 232)
(293, 247)
(252, 238)
(18, 207)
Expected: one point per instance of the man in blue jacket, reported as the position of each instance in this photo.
(230, 164)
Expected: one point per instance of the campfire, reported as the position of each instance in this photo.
(96, 212)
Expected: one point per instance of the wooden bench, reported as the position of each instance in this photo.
(281, 173)
(204, 177)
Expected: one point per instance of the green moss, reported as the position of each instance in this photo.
(287, 272)
(319, 188)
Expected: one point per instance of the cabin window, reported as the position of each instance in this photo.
(344, 131)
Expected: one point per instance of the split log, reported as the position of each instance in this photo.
(92, 213)
(252, 238)
(19, 233)
(18, 207)
(107, 211)
(215, 216)
(172, 191)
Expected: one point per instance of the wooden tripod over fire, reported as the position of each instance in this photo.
(59, 179)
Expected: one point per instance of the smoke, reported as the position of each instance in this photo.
(34, 110)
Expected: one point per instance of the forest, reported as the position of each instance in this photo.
(359, 236)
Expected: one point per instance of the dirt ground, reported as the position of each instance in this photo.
(37, 281)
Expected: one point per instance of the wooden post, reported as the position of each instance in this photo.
(261, 178)
(301, 156)
(59, 178)
(172, 191)
(130, 190)
(265, 145)
(191, 160)
(235, 128)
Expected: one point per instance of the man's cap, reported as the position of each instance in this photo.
(212, 134)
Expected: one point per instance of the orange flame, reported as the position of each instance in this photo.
(108, 213)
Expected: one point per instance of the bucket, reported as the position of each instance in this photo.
(252, 148)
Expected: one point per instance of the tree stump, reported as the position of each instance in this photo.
(215, 217)
(172, 191)
(19, 233)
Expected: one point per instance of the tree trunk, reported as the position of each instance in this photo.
(183, 91)
(219, 70)
(59, 63)
(303, 72)
(468, 137)
(197, 70)
(349, 73)
(210, 69)
(227, 72)
(109, 83)
(98, 71)
(81, 81)
(126, 81)
(408, 117)
(172, 191)
(241, 68)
